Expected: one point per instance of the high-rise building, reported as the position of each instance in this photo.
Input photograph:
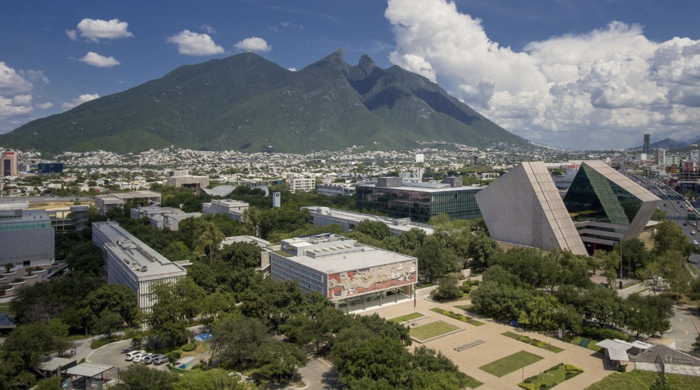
(276, 199)
(660, 157)
(8, 163)
(304, 184)
(646, 150)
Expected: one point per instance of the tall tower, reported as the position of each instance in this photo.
(276, 199)
(646, 149)
(8, 164)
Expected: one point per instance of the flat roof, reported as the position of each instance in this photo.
(424, 189)
(393, 223)
(129, 195)
(9, 216)
(54, 363)
(89, 369)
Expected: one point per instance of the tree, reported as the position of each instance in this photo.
(112, 298)
(447, 289)
(235, 341)
(669, 236)
(240, 255)
(412, 239)
(434, 260)
(176, 304)
(278, 360)
(648, 314)
(375, 229)
(207, 243)
(272, 302)
(604, 305)
(674, 271)
(482, 250)
(8, 267)
(108, 323)
(251, 218)
(214, 379)
(652, 275)
(140, 377)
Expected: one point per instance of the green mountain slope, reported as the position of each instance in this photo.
(245, 102)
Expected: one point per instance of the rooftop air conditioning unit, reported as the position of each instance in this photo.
(144, 268)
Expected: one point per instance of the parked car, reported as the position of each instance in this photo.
(692, 232)
(141, 357)
(130, 355)
(695, 242)
(160, 360)
(149, 359)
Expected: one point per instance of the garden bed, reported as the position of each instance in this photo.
(407, 317)
(458, 317)
(533, 342)
(551, 377)
(585, 343)
(431, 330)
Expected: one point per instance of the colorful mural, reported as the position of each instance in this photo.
(352, 283)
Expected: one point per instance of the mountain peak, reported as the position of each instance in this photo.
(366, 64)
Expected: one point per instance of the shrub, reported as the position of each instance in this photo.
(541, 344)
(189, 347)
(544, 386)
(570, 367)
(597, 333)
(104, 341)
(174, 356)
(622, 368)
(524, 338)
(528, 380)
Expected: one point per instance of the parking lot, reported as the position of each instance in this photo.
(114, 354)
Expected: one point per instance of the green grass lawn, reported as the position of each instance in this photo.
(534, 342)
(551, 377)
(458, 317)
(5, 309)
(407, 317)
(641, 380)
(510, 363)
(586, 343)
(432, 329)
(473, 383)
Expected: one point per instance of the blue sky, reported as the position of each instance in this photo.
(576, 74)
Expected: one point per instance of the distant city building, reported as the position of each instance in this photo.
(184, 179)
(695, 156)
(131, 263)
(335, 189)
(303, 184)
(660, 157)
(49, 168)
(162, 217)
(600, 208)
(233, 208)
(276, 200)
(26, 238)
(8, 163)
(352, 275)
(418, 201)
(107, 202)
(348, 220)
(647, 142)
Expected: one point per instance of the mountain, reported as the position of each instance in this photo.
(693, 141)
(247, 103)
(666, 143)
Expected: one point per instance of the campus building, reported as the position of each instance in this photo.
(303, 184)
(325, 216)
(26, 238)
(184, 179)
(73, 218)
(233, 208)
(335, 189)
(131, 263)
(601, 208)
(107, 202)
(162, 217)
(49, 168)
(353, 276)
(9, 164)
(419, 201)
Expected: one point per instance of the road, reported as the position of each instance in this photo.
(39, 199)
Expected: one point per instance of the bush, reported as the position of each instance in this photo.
(528, 380)
(622, 368)
(570, 367)
(174, 356)
(594, 332)
(189, 347)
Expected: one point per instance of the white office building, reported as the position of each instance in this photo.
(131, 263)
(303, 184)
(233, 208)
(26, 238)
(325, 216)
(107, 202)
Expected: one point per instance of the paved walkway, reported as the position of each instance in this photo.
(497, 346)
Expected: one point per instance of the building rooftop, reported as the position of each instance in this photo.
(400, 224)
(8, 216)
(330, 253)
(130, 195)
(425, 187)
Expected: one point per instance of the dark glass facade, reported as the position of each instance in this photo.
(592, 197)
(419, 206)
(47, 168)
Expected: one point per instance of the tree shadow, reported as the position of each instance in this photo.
(331, 380)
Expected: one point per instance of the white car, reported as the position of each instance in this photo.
(140, 357)
(692, 232)
(695, 242)
(131, 354)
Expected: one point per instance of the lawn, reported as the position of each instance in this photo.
(5, 309)
(586, 343)
(510, 363)
(431, 330)
(407, 317)
(473, 383)
(534, 342)
(641, 380)
(551, 377)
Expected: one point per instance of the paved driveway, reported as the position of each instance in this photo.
(114, 354)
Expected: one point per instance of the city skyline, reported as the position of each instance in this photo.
(579, 76)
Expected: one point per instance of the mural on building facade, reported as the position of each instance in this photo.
(352, 283)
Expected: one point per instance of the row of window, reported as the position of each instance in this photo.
(303, 283)
(5, 227)
(298, 269)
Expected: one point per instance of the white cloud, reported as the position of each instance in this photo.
(209, 29)
(44, 106)
(35, 76)
(292, 69)
(94, 59)
(79, 100)
(253, 44)
(193, 44)
(600, 89)
(96, 29)
(10, 108)
(12, 81)
(72, 34)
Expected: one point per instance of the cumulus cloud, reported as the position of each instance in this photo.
(12, 81)
(209, 29)
(44, 106)
(194, 44)
(96, 29)
(79, 100)
(599, 89)
(15, 95)
(253, 44)
(94, 59)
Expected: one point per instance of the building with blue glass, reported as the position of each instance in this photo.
(49, 168)
(419, 201)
